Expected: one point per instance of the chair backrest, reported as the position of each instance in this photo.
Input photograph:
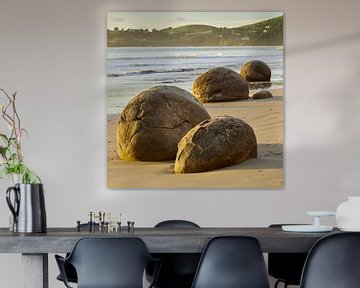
(110, 262)
(287, 267)
(176, 224)
(333, 262)
(178, 269)
(232, 261)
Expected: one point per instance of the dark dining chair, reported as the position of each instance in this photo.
(178, 269)
(108, 263)
(333, 262)
(232, 262)
(286, 267)
(70, 271)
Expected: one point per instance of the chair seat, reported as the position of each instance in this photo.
(177, 270)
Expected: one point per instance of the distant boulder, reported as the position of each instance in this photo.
(220, 84)
(215, 143)
(261, 94)
(256, 71)
(153, 123)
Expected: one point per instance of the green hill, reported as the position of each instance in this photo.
(264, 33)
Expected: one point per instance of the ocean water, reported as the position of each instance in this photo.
(131, 70)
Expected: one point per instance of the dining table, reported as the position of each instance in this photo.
(35, 247)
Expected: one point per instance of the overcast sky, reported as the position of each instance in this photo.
(160, 20)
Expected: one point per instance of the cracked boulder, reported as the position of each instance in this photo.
(256, 71)
(220, 84)
(215, 143)
(153, 123)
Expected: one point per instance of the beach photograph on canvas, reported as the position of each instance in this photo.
(195, 100)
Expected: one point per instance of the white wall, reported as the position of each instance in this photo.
(53, 54)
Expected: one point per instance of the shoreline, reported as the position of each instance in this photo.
(266, 171)
(277, 92)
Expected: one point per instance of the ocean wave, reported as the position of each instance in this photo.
(150, 71)
(171, 81)
(170, 57)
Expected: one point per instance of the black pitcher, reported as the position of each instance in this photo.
(28, 207)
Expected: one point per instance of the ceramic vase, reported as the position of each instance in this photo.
(348, 214)
(27, 204)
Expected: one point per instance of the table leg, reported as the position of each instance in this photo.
(35, 270)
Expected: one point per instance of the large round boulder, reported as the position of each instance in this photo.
(256, 71)
(215, 143)
(153, 123)
(220, 84)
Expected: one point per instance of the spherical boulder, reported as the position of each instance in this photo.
(215, 143)
(261, 94)
(220, 84)
(256, 71)
(153, 123)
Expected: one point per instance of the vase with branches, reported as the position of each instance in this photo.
(11, 158)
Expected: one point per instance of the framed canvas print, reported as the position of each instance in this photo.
(195, 100)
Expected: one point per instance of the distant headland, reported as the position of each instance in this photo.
(264, 33)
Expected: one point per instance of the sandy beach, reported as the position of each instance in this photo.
(266, 171)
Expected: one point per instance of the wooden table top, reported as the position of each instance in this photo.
(158, 240)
